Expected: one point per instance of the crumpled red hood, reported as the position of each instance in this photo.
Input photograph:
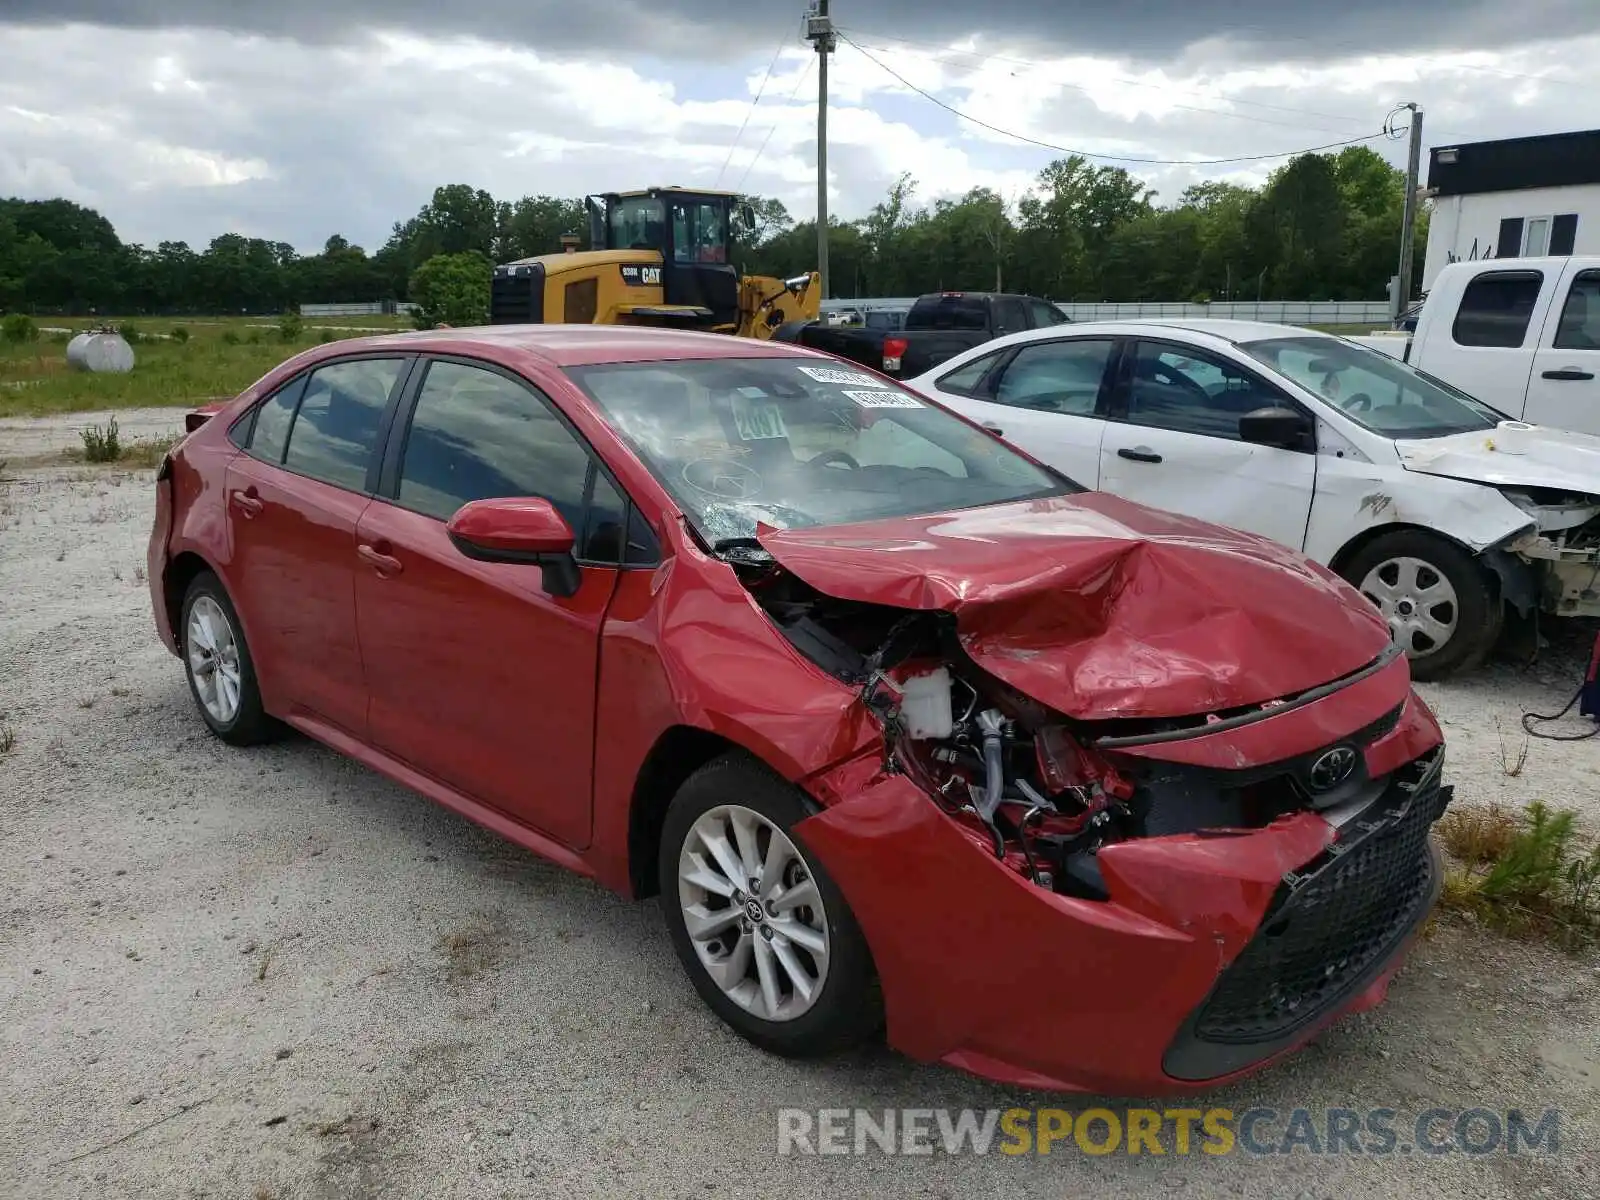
(1099, 607)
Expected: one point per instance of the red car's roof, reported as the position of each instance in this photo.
(577, 345)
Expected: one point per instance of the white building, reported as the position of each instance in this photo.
(1514, 198)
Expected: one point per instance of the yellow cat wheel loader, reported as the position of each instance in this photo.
(663, 256)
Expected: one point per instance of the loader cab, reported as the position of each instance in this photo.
(693, 233)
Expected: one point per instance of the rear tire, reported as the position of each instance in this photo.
(217, 662)
(1439, 601)
(781, 931)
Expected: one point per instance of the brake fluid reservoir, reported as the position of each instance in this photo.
(925, 705)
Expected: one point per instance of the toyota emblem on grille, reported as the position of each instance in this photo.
(1332, 768)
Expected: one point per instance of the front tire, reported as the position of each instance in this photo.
(1439, 601)
(761, 928)
(221, 673)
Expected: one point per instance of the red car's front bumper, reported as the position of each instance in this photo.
(993, 974)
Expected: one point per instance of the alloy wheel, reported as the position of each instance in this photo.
(212, 651)
(753, 913)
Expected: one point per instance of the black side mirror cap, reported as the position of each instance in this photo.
(1283, 428)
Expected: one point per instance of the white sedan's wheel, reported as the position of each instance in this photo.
(753, 913)
(1439, 601)
(1418, 602)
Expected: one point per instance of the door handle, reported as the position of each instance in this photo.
(1139, 454)
(247, 502)
(383, 564)
(1568, 373)
(994, 429)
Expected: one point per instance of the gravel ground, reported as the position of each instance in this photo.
(23, 440)
(273, 974)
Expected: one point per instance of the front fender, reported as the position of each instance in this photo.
(1355, 501)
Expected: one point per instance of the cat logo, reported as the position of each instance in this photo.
(638, 275)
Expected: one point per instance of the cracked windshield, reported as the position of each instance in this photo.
(787, 444)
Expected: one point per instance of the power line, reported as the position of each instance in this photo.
(1213, 112)
(1319, 42)
(760, 91)
(1324, 44)
(1165, 162)
(805, 74)
(1123, 79)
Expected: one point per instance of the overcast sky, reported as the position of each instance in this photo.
(183, 119)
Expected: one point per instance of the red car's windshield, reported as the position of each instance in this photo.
(795, 442)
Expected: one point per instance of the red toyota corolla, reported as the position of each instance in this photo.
(900, 725)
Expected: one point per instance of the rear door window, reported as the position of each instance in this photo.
(334, 436)
(1496, 308)
(1010, 316)
(1059, 377)
(1046, 314)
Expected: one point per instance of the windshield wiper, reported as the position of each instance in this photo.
(747, 550)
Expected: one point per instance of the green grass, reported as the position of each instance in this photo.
(221, 357)
(1526, 874)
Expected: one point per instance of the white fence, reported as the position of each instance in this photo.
(1281, 312)
(377, 308)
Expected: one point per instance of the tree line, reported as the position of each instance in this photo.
(1322, 227)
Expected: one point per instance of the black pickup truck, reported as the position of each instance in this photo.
(939, 326)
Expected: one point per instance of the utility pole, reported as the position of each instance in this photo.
(819, 32)
(1402, 291)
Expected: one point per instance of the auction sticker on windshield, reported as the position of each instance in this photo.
(830, 375)
(884, 399)
(757, 422)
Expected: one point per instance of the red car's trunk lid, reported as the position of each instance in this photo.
(1099, 607)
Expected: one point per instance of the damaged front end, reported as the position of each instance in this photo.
(1239, 875)
(1042, 792)
(1563, 549)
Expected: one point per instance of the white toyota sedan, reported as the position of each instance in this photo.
(1440, 509)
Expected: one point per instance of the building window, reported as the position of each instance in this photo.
(1536, 237)
(1509, 244)
(1564, 233)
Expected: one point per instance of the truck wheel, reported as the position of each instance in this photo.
(1440, 603)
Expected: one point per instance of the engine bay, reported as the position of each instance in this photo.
(1034, 788)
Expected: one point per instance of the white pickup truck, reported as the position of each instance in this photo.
(1520, 334)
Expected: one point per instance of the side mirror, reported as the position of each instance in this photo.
(747, 217)
(518, 529)
(1280, 427)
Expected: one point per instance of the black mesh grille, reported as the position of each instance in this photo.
(516, 295)
(1332, 922)
(1381, 728)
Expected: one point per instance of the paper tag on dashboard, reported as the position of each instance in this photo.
(884, 400)
(833, 375)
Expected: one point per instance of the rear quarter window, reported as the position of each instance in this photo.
(268, 433)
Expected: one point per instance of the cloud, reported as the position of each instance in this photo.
(189, 132)
(708, 30)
